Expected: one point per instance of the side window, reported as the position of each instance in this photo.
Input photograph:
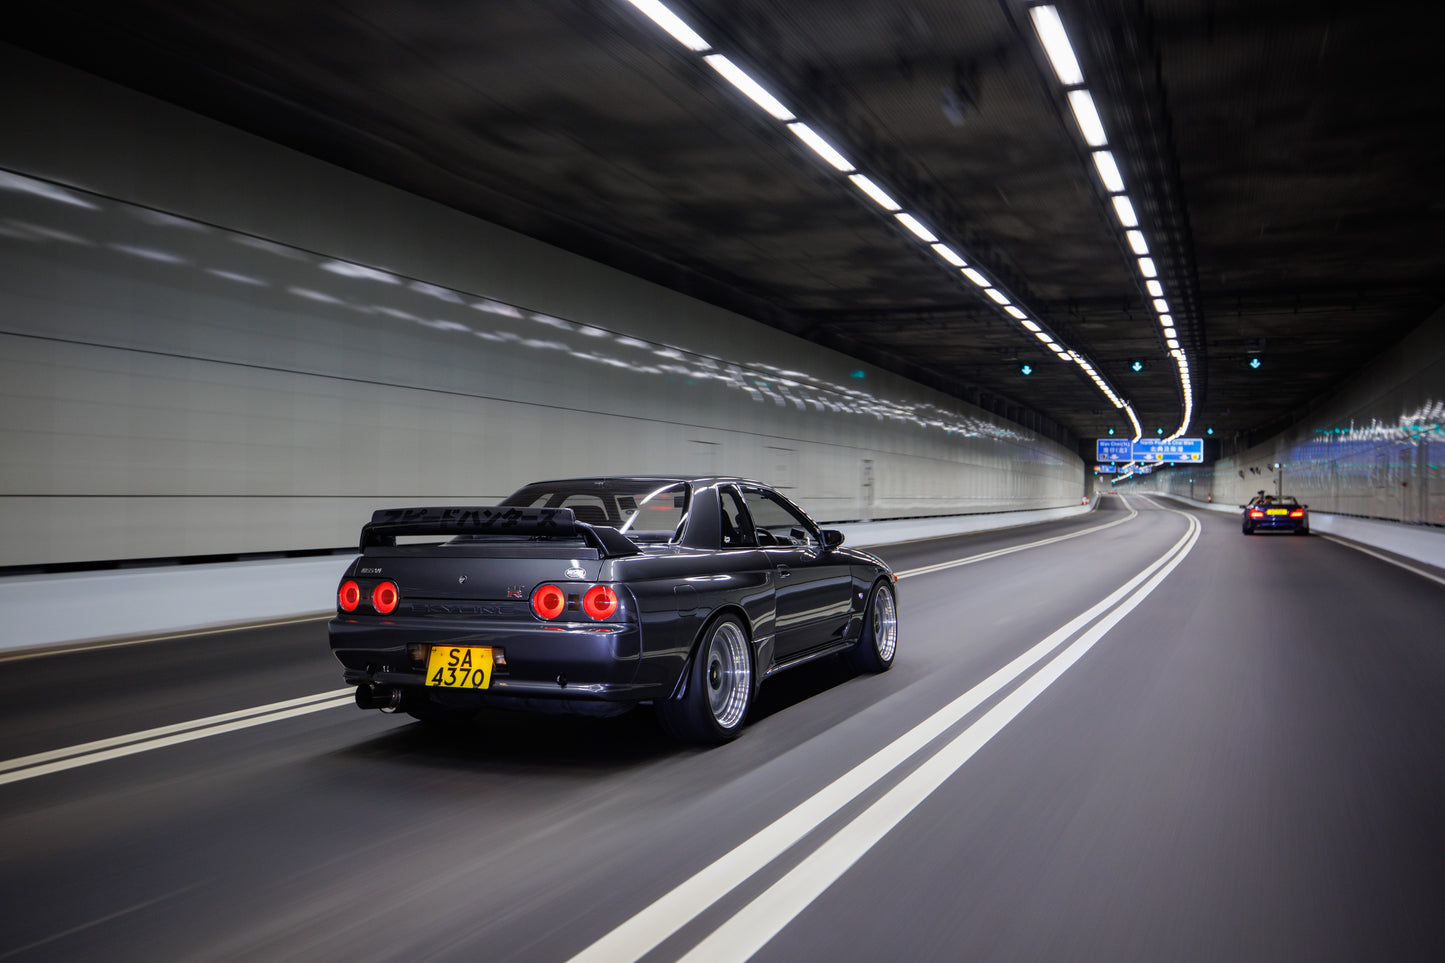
(776, 521)
(736, 527)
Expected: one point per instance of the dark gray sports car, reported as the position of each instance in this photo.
(592, 595)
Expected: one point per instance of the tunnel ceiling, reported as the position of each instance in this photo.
(1285, 160)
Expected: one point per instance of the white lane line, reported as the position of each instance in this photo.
(57, 760)
(754, 925)
(939, 567)
(1384, 558)
(20, 950)
(639, 935)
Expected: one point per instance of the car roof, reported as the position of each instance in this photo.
(691, 479)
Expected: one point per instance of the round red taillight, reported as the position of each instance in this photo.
(548, 601)
(599, 602)
(348, 596)
(384, 597)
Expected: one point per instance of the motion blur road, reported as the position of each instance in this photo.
(1156, 739)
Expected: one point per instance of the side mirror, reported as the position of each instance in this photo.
(832, 538)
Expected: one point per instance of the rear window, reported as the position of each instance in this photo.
(644, 510)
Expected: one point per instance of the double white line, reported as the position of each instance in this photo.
(56, 760)
(751, 927)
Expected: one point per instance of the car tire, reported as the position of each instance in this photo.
(718, 690)
(1302, 531)
(1247, 530)
(878, 641)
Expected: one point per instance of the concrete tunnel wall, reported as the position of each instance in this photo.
(212, 344)
(1374, 449)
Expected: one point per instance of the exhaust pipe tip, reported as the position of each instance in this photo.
(383, 697)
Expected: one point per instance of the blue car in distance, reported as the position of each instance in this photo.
(1270, 514)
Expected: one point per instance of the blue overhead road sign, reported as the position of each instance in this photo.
(1157, 451)
(1115, 449)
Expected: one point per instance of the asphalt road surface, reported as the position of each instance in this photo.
(1131, 735)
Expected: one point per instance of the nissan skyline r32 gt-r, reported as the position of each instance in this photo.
(593, 595)
(1265, 513)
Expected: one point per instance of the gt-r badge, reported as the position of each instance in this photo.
(516, 591)
(462, 579)
(576, 573)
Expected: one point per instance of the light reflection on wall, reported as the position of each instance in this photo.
(343, 284)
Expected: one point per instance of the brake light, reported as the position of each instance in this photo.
(1297, 513)
(1256, 514)
(384, 597)
(548, 601)
(599, 602)
(348, 596)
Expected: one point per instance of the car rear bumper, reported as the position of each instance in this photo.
(569, 662)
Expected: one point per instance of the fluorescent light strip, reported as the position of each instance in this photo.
(1087, 117)
(1146, 267)
(749, 87)
(867, 186)
(1108, 171)
(1161, 306)
(1137, 242)
(1124, 209)
(1056, 44)
(672, 23)
(949, 255)
(911, 222)
(1170, 333)
(1156, 290)
(821, 147)
(1166, 320)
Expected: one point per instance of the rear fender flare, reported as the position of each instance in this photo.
(736, 612)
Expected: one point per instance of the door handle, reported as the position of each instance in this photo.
(784, 571)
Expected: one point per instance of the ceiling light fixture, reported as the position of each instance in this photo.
(821, 147)
(1137, 242)
(1014, 312)
(1087, 117)
(949, 255)
(1170, 333)
(998, 296)
(866, 185)
(672, 23)
(911, 222)
(1166, 320)
(1108, 170)
(1030, 325)
(1146, 267)
(1161, 306)
(749, 87)
(976, 278)
(1056, 44)
(1125, 210)
(1156, 290)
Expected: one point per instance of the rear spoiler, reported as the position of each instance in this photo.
(387, 523)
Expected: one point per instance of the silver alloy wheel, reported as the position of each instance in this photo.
(728, 674)
(885, 624)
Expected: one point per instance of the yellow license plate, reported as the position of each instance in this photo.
(1278, 511)
(459, 666)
